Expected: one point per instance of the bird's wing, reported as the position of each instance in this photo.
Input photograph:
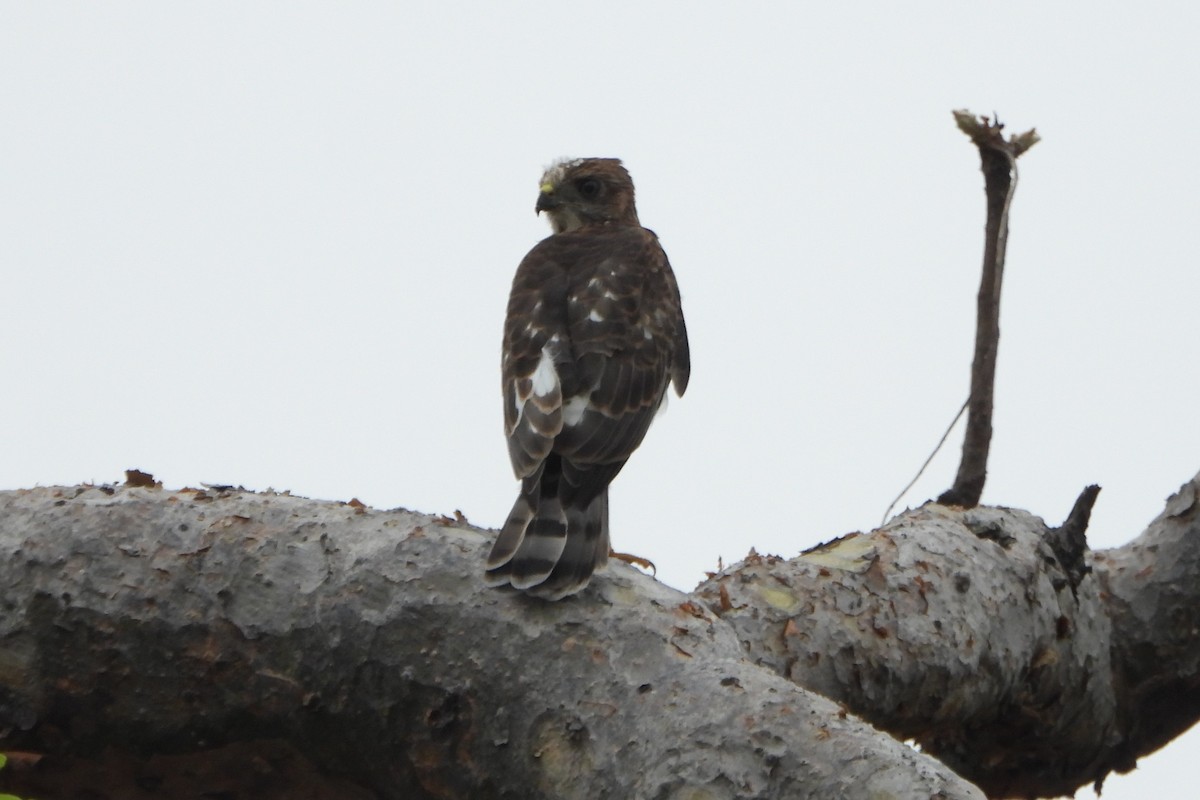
(594, 333)
(623, 319)
(536, 347)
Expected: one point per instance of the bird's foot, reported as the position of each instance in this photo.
(638, 561)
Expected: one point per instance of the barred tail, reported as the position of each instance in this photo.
(547, 548)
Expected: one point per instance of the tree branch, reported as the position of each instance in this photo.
(1151, 589)
(999, 165)
(173, 622)
(1069, 540)
(955, 628)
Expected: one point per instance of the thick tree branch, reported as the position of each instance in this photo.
(963, 630)
(153, 621)
(156, 621)
(999, 164)
(1151, 590)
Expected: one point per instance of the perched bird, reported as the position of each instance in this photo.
(593, 336)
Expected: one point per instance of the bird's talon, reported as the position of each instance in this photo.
(638, 561)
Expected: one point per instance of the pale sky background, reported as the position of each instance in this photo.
(270, 244)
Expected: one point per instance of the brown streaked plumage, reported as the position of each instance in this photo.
(593, 336)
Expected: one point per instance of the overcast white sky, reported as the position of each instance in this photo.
(270, 244)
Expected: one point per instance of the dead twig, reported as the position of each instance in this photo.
(999, 164)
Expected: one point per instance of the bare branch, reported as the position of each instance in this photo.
(1069, 540)
(999, 164)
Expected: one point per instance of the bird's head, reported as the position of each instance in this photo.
(587, 191)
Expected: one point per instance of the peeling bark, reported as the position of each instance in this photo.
(964, 630)
(158, 622)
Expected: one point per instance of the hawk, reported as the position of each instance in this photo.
(593, 336)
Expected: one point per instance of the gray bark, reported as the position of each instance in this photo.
(962, 629)
(1151, 590)
(156, 621)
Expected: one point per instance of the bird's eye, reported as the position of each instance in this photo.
(589, 188)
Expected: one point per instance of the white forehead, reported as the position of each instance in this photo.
(558, 170)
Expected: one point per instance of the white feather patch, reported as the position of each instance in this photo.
(596, 316)
(574, 408)
(545, 378)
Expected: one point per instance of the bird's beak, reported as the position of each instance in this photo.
(546, 200)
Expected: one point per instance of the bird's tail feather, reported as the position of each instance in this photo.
(509, 541)
(548, 550)
(585, 552)
(542, 546)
